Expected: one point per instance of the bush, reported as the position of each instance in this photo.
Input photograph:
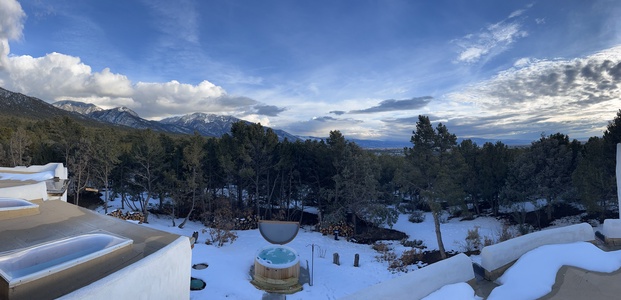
(221, 224)
(505, 233)
(380, 247)
(488, 241)
(411, 257)
(219, 237)
(416, 216)
(473, 240)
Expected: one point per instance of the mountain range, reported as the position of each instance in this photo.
(19, 105)
(205, 124)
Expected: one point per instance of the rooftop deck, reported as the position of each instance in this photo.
(58, 219)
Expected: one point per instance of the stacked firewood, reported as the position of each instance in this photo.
(344, 229)
(250, 221)
(130, 215)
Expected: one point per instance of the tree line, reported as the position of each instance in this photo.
(251, 173)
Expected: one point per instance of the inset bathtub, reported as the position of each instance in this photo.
(14, 208)
(37, 263)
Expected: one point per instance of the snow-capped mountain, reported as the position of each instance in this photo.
(215, 125)
(122, 116)
(205, 124)
(78, 107)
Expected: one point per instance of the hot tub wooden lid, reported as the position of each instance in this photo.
(279, 232)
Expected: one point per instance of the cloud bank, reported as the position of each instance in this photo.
(57, 76)
(569, 96)
(396, 105)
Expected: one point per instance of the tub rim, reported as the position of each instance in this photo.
(264, 263)
(29, 204)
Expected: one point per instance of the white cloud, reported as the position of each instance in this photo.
(57, 76)
(11, 25)
(491, 40)
(517, 13)
(575, 97)
(11, 20)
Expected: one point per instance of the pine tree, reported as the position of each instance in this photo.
(436, 169)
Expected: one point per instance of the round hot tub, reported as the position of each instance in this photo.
(277, 269)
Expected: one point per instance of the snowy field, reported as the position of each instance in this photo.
(228, 274)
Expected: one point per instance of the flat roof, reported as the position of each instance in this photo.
(58, 219)
(11, 183)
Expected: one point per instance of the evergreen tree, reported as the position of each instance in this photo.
(493, 167)
(596, 186)
(436, 169)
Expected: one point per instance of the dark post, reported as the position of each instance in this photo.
(356, 260)
(335, 259)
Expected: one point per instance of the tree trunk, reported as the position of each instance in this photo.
(436, 223)
(193, 200)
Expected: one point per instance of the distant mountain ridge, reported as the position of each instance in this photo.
(77, 107)
(22, 106)
(205, 124)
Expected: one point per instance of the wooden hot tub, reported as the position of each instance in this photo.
(277, 269)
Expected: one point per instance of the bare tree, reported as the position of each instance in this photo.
(18, 145)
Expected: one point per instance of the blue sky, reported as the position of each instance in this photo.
(488, 69)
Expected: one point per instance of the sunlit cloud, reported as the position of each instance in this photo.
(491, 40)
(544, 95)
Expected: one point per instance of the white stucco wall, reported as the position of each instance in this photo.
(420, 283)
(27, 192)
(161, 275)
(57, 168)
(612, 228)
(498, 255)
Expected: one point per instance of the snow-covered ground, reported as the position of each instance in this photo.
(228, 274)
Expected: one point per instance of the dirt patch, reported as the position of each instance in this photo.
(539, 219)
(90, 200)
(433, 256)
(370, 235)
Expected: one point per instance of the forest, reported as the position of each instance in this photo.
(248, 174)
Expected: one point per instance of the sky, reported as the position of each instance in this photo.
(484, 68)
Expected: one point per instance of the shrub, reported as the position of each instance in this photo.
(488, 241)
(473, 240)
(221, 225)
(411, 257)
(221, 237)
(416, 216)
(380, 247)
(505, 233)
